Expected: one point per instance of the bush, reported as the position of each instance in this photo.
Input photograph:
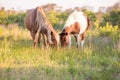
(109, 30)
(57, 19)
(2, 20)
(20, 19)
(113, 18)
(12, 19)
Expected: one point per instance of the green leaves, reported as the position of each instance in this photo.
(12, 19)
(113, 18)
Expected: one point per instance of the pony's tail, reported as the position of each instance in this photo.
(89, 23)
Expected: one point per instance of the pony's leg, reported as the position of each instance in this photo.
(45, 40)
(82, 44)
(38, 36)
(78, 40)
(69, 41)
(82, 36)
(49, 37)
(39, 39)
(33, 34)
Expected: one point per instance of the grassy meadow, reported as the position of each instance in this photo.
(99, 60)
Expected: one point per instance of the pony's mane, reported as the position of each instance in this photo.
(41, 17)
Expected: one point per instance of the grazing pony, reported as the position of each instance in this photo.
(38, 25)
(77, 24)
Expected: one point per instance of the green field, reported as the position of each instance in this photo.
(99, 60)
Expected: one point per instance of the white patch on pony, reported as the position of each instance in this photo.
(77, 16)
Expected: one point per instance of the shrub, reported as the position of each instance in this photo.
(13, 19)
(109, 30)
(20, 19)
(113, 18)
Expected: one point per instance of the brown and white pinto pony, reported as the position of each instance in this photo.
(38, 25)
(77, 24)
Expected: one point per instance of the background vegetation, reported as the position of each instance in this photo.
(99, 60)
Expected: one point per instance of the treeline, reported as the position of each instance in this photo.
(58, 17)
(55, 17)
(112, 18)
(12, 19)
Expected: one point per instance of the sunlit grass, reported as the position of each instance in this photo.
(99, 60)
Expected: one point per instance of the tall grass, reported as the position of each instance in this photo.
(99, 60)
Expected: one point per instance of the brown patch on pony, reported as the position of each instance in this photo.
(75, 28)
(64, 37)
(82, 36)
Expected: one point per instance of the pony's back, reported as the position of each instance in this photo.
(77, 16)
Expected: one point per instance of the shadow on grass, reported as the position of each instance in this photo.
(50, 73)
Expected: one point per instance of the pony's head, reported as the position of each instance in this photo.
(64, 39)
(55, 39)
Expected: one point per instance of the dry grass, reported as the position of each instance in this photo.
(99, 60)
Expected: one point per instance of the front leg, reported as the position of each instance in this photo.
(78, 40)
(38, 36)
(39, 39)
(49, 37)
(45, 40)
(69, 41)
(33, 34)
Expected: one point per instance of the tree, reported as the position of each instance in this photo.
(116, 7)
(112, 18)
(20, 19)
(50, 7)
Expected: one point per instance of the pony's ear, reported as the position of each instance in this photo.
(51, 33)
(66, 33)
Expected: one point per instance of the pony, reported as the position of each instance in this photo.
(38, 25)
(76, 24)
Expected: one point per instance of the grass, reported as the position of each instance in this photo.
(99, 60)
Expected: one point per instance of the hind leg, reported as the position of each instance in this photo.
(76, 39)
(45, 40)
(33, 34)
(39, 39)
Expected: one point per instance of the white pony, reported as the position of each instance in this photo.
(77, 24)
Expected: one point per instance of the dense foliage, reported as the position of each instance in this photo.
(58, 18)
(90, 15)
(12, 19)
(112, 18)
